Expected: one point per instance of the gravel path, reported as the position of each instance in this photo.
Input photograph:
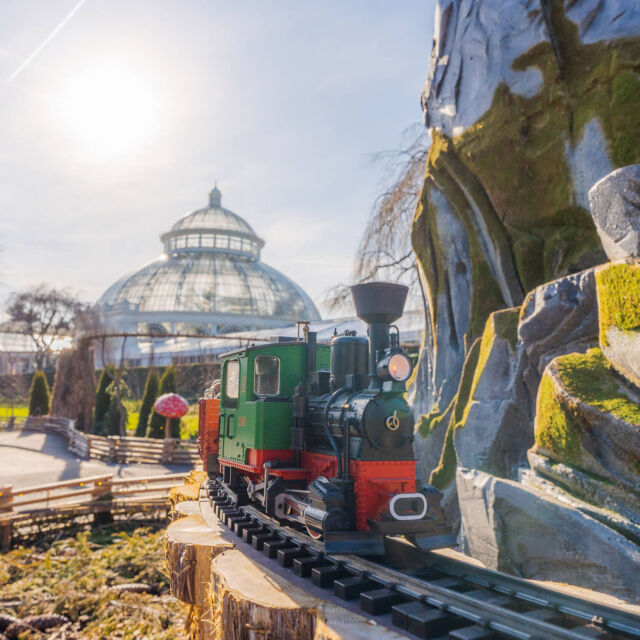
(29, 458)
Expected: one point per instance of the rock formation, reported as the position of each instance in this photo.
(615, 204)
(533, 350)
(528, 104)
(531, 533)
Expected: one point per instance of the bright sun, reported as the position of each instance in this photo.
(110, 108)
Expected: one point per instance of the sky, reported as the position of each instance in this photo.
(117, 117)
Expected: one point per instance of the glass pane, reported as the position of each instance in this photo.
(267, 376)
(232, 371)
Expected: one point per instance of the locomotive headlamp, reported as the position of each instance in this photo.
(396, 367)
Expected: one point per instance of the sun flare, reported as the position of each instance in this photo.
(110, 108)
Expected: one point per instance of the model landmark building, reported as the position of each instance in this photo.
(210, 280)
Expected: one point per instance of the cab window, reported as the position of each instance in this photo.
(232, 382)
(267, 376)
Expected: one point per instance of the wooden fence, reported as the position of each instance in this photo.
(70, 499)
(111, 448)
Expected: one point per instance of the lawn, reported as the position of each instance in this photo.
(19, 411)
(188, 424)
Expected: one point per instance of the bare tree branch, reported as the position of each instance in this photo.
(385, 250)
(44, 313)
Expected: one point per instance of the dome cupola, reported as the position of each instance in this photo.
(213, 229)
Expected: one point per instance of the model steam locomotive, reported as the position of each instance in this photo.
(320, 436)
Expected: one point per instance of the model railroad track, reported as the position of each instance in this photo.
(438, 598)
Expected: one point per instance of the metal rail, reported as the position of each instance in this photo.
(437, 597)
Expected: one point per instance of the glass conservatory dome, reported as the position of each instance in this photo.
(210, 279)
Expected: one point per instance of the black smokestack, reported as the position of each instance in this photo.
(378, 304)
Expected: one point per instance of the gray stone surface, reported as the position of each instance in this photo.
(443, 352)
(623, 352)
(615, 207)
(454, 309)
(475, 44)
(606, 501)
(604, 19)
(428, 449)
(517, 529)
(588, 160)
(497, 431)
(558, 317)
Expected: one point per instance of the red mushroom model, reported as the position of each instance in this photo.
(170, 405)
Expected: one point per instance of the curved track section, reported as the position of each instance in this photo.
(436, 597)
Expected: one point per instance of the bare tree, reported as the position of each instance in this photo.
(43, 313)
(385, 250)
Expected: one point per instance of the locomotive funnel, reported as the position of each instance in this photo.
(379, 302)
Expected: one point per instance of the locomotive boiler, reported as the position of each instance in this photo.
(321, 436)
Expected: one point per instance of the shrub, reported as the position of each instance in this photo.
(103, 397)
(39, 395)
(168, 384)
(111, 421)
(149, 397)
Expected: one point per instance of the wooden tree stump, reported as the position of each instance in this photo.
(234, 598)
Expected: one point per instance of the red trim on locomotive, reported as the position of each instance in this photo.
(375, 481)
(257, 457)
(255, 464)
(208, 441)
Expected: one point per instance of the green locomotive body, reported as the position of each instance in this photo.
(258, 385)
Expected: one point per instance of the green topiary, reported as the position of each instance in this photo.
(103, 397)
(168, 384)
(39, 395)
(111, 421)
(149, 397)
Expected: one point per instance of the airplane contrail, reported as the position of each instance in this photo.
(46, 41)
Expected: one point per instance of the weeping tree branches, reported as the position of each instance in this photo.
(385, 251)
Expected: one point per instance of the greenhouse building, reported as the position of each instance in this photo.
(210, 280)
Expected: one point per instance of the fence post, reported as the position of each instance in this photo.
(121, 450)
(102, 488)
(6, 507)
(6, 499)
(5, 535)
(170, 445)
(103, 491)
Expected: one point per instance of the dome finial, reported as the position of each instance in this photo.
(215, 197)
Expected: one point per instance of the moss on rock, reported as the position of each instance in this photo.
(572, 387)
(618, 288)
(444, 473)
(590, 378)
(500, 324)
(556, 430)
